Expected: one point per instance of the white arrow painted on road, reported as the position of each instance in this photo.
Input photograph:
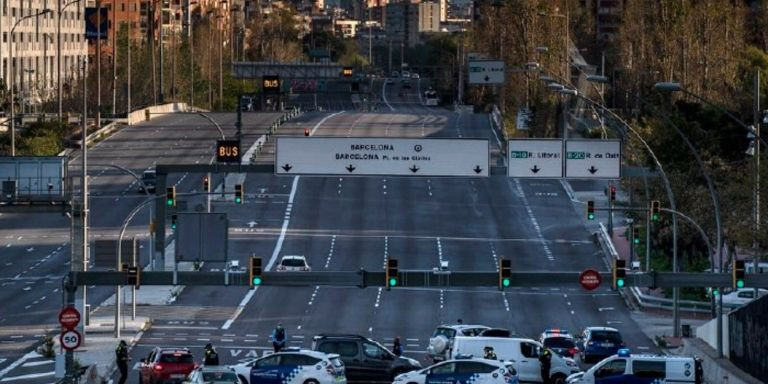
(30, 249)
(251, 223)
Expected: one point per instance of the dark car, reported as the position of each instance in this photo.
(166, 365)
(365, 360)
(597, 343)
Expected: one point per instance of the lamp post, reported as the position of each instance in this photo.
(13, 74)
(58, 49)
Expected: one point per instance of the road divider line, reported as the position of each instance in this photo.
(279, 246)
(384, 96)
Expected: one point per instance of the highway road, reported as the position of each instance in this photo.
(35, 247)
(345, 223)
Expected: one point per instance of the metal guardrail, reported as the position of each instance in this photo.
(649, 301)
(263, 139)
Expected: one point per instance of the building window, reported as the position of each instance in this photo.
(122, 7)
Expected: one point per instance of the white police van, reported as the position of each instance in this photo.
(293, 366)
(627, 368)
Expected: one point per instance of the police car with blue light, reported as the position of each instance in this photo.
(560, 341)
(463, 370)
(628, 368)
(293, 366)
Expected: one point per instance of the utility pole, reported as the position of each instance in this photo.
(114, 54)
(162, 42)
(98, 66)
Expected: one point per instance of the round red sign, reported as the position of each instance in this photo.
(590, 279)
(69, 317)
(70, 340)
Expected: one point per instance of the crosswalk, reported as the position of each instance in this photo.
(31, 368)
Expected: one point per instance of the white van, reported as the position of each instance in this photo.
(626, 367)
(524, 352)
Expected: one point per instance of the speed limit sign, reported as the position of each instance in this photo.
(70, 339)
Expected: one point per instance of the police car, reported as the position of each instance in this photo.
(466, 370)
(629, 368)
(559, 341)
(293, 366)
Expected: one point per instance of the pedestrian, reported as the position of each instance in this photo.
(211, 357)
(545, 359)
(121, 358)
(397, 348)
(460, 321)
(278, 338)
(489, 353)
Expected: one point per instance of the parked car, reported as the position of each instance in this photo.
(742, 296)
(559, 341)
(166, 365)
(597, 343)
(464, 370)
(365, 360)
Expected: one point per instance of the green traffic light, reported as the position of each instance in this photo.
(256, 280)
(392, 282)
(505, 282)
(637, 241)
(173, 226)
(169, 202)
(715, 292)
(238, 200)
(620, 283)
(655, 217)
(591, 216)
(739, 283)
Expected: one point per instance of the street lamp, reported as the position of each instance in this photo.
(13, 74)
(58, 49)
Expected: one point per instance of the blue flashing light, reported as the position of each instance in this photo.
(624, 352)
(557, 330)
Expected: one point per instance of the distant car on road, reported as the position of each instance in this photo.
(406, 74)
(148, 179)
(390, 80)
(293, 263)
(212, 375)
(246, 103)
(415, 76)
(742, 296)
(395, 74)
(166, 365)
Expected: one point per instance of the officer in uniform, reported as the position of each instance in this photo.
(545, 359)
(121, 357)
(489, 353)
(211, 357)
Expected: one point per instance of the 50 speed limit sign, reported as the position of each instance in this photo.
(70, 339)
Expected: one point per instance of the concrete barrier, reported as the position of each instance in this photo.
(716, 370)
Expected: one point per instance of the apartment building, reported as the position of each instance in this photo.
(33, 71)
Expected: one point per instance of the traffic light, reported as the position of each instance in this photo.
(174, 220)
(590, 210)
(206, 185)
(133, 275)
(636, 235)
(655, 210)
(391, 273)
(238, 193)
(738, 274)
(254, 272)
(505, 273)
(619, 273)
(170, 196)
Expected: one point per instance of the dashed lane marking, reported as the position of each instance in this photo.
(535, 222)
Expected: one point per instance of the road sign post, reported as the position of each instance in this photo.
(485, 72)
(590, 279)
(535, 158)
(343, 156)
(70, 339)
(69, 318)
(593, 159)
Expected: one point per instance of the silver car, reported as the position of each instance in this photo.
(212, 374)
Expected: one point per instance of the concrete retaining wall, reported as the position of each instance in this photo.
(708, 333)
(720, 371)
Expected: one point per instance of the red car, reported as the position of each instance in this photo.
(166, 365)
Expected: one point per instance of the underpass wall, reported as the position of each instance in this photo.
(716, 370)
(748, 337)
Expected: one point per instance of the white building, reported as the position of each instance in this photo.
(34, 45)
(347, 29)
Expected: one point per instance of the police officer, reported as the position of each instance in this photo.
(278, 338)
(489, 353)
(211, 357)
(121, 358)
(545, 359)
(397, 348)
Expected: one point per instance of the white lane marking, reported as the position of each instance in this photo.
(495, 257)
(280, 240)
(330, 252)
(378, 298)
(569, 190)
(19, 362)
(442, 298)
(314, 295)
(535, 223)
(601, 309)
(37, 363)
(384, 96)
(439, 252)
(27, 377)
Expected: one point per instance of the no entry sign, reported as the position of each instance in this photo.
(69, 317)
(590, 279)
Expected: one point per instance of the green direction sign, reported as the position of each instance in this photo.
(519, 154)
(576, 155)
